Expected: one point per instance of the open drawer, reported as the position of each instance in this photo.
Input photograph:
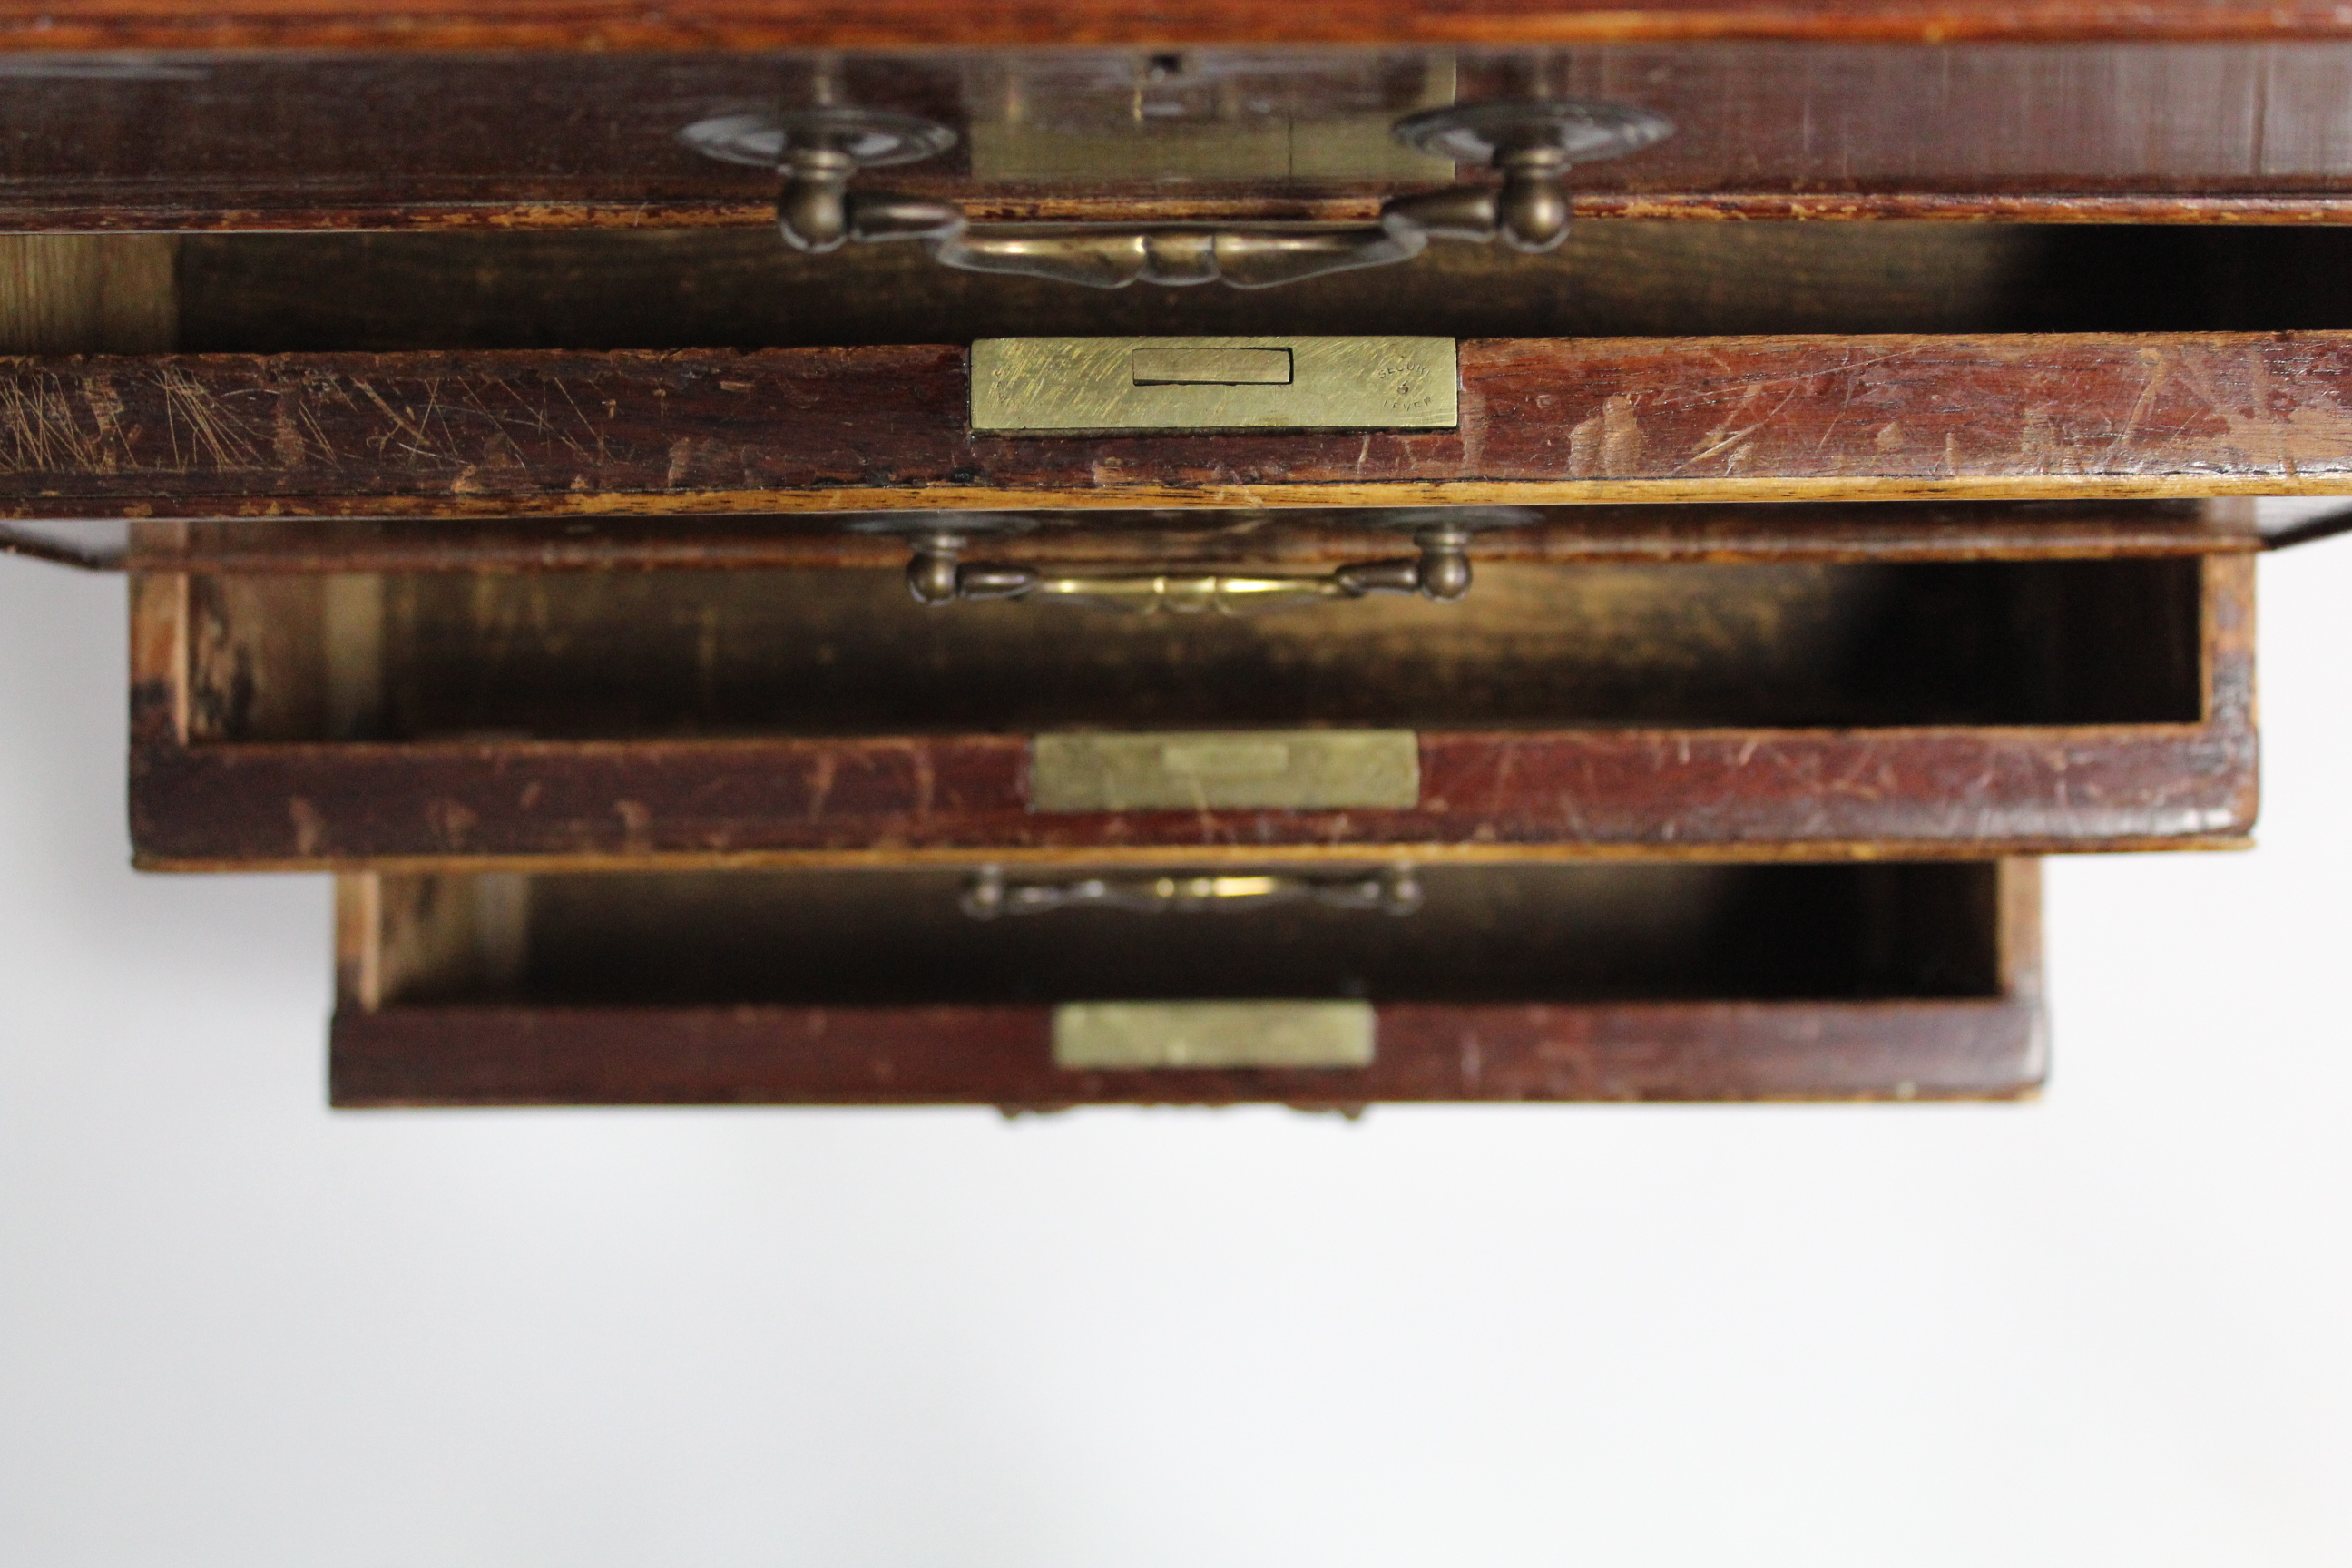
(1908, 680)
(600, 374)
(1324, 988)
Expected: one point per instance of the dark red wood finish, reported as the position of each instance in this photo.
(602, 25)
(1960, 1049)
(1923, 791)
(1928, 791)
(1542, 420)
(2182, 115)
(1862, 531)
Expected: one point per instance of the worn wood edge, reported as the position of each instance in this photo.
(421, 554)
(1951, 206)
(717, 746)
(2226, 628)
(860, 554)
(2151, 207)
(2224, 827)
(159, 659)
(2184, 485)
(625, 25)
(359, 941)
(2018, 927)
(143, 214)
(58, 552)
(2010, 1029)
(1744, 851)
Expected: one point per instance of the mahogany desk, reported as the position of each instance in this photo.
(1676, 681)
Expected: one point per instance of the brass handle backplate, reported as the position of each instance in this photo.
(1531, 146)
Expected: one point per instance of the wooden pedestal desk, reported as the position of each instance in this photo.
(1488, 636)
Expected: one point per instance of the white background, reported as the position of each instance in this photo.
(2112, 1327)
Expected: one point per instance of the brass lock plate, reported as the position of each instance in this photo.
(1269, 770)
(1112, 1037)
(1069, 386)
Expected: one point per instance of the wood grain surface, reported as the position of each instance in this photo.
(486, 1056)
(841, 24)
(393, 131)
(1543, 420)
(1293, 537)
(963, 800)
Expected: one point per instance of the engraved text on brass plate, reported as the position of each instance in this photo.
(1076, 385)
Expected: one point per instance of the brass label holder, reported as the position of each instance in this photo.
(1247, 770)
(1041, 387)
(1116, 1036)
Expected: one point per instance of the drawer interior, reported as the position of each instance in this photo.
(615, 289)
(1565, 934)
(616, 655)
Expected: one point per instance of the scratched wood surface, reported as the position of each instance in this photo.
(483, 1056)
(2220, 129)
(1543, 420)
(1569, 787)
(1919, 981)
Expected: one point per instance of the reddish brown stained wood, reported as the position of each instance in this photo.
(2148, 132)
(1914, 791)
(93, 214)
(1966, 790)
(837, 24)
(1543, 420)
(2144, 131)
(1960, 1049)
(1933, 206)
(159, 662)
(1841, 531)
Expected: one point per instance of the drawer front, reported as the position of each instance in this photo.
(524, 116)
(1636, 982)
(1540, 421)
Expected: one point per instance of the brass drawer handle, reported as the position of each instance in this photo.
(988, 893)
(937, 576)
(1531, 147)
(1113, 259)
